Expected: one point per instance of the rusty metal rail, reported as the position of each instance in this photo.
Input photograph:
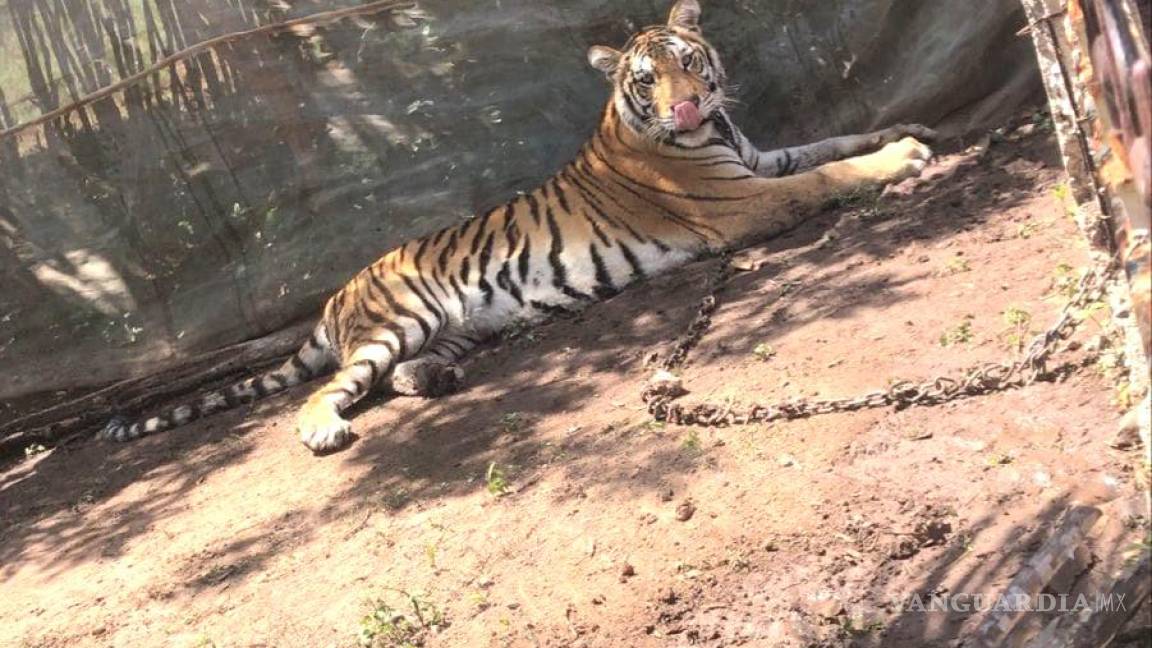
(1094, 59)
(1095, 62)
(1121, 84)
(1115, 68)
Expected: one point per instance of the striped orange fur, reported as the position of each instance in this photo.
(665, 178)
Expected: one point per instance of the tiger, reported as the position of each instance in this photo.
(666, 178)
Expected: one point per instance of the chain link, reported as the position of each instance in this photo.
(703, 320)
(661, 392)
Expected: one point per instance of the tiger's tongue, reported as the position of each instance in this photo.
(687, 116)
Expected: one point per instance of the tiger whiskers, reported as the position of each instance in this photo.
(729, 95)
(713, 103)
(659, 129)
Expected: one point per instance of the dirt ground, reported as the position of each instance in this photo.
(612, 530)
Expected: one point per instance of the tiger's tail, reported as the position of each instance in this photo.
(312, 360)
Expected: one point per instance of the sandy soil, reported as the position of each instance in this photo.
(615, 531)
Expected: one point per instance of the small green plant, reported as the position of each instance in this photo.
(739, 562)
(652, 425)
(1064, 281)
(1019, 322)
(1014, 316)
(959, 334)
(386, 627)
(1144, 473)
(1137, 550)
(479, 599)
(691, 442)
(764, 352)
(1089, 312)
(1043, 121)
(497, 481)
(861, 197)
(1063, 193)
(1026, 230)
(1001, 459)
(850, 627)
(513, 422)
(966, 542)
(396, 499)
(1122, 399)
(957, 265)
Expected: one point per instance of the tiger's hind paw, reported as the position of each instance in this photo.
(427, 379)
(324, 432)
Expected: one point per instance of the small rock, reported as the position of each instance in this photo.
(626, 571)
(829, 609)
(786, 460)
(771, 546)
(666, 495)
(902, 548)
(685, 510)
(665, 383)
(1024, 131)
(745, 264)
(1128, 436)
(597, 600)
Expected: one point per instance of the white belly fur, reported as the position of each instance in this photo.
(580, 273)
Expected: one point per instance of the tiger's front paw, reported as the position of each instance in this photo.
(900, 160)
(324, 431)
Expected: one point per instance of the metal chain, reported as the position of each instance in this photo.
(661, 392)
(703, 320)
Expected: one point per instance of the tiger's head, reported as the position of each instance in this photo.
(667, 81)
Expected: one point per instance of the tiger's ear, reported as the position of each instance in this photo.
(604, 59)
(685, 14)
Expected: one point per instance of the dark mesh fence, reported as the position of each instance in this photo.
(225, 195)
